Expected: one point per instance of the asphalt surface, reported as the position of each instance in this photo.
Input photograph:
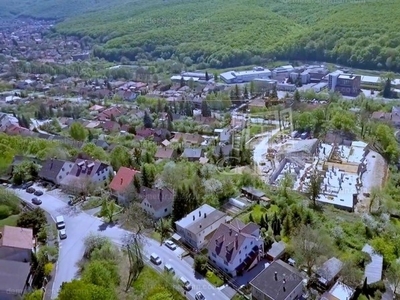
(79, 225)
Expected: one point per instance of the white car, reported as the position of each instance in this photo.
(63, 234)
(200, 296)
(170, 245)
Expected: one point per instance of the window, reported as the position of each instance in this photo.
(63, 169)
(60, 177)
(245, 247)
(67, 173)
(240, 252)
(104, 177)
(251, 243)
(165, 210)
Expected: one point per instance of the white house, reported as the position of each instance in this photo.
(235, 247)
(245, 76)
(157, 202)
(195, 229)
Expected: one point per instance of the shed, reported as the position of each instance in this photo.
(252, 193)
(277, 250)
(329, 271)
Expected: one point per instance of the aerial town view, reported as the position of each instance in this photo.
(176, 149)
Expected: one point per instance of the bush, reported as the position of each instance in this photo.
(48, 268)
(200, 264)
(5, 212)
(378, 286)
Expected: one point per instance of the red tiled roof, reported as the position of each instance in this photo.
(122, 179)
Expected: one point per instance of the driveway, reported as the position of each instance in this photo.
(79, 225)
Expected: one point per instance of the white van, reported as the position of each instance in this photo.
(185, 283)
(155, 259)
(169, 269)
(60, 222)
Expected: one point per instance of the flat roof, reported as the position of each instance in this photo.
(342, 291)
(252, 72)
(373, 270)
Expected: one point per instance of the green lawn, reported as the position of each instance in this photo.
(93, 202)
(258, 211)
(10, 221)
(214, 279)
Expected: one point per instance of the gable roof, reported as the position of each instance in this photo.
(84, 169)
(192, 153)
(157, 198)
(16, 237)
(279, 287)
(228, 239)
(123, 179)
(51, 168)
(330, 269)
(165, 152)
(13, 276)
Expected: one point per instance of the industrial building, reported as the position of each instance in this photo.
(346, 84)
(245, 76)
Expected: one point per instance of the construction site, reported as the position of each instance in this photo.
(347, 171)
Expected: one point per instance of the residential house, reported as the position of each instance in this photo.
(122, 184)
(17, 130)
(165, 153)
(86, 172)
(109, 113)
(92, 124)
(197, 227)
(223, 151)
(97, 108)
(16, 243)
(14, 278)
(6, 121)
(224, 135)
(157, 202)
(339, 291)
(193, 154)
(110, 126)
(206, 120)
(328, 273)
(188, 138)
(236, 247)
(252, 193)
(54, 170)
(101, 143)
(278, 281)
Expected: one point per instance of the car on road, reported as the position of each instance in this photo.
(185, 283)
(199, 296)
(38, 193)
(27, 185)
(62, 234)
(36, 201)
(30, 190)
(155, 259)
(60, 222)
(170, 245)
(169, 269)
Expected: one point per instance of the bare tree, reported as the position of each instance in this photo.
(314, 188)
(351, 275)
(164, 228)
(133, 244)
(81, 187)
(309, 246)
(135, 219)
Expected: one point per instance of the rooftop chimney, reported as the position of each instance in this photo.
(284, 285)
(200, 225)
(194, 218)
(199, 213)
(276, 276)
(160, 195)
(237, 240)
(205, 215)
(122, 180)
(230, 231)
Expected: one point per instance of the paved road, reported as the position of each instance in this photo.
(79, 225)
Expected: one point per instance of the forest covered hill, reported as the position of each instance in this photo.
(223, 34)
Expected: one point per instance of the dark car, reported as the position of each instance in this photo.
(27, 185)
(36, 201)
(30, 190)
(38, 193)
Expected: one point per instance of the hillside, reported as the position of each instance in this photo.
(53, 9)
(224, 34)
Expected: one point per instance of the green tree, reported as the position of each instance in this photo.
(216, 76)
(25, 171)
(148, 175)
(108, 210)
(100, 273)
(387, 89)
(179, 205)
(147, 121)
(205, 110)
(164, 227)
(78, 290)
(251, 219)
(35, 219)
(120, 157)
(314, 188)
(137, 183)
(237, 92)
(274, 92)
(246, 92)
(35, 295)
(296, 96)
(200, 263)
(252, 88)
(207, 77)
(393, 275)
(78, 132)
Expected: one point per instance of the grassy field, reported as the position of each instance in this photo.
(10, 221)
(214, 279)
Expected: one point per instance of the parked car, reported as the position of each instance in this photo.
(62, 234)
(60, 222)
(170, 245)
(36, 201)
(185, 283)
(38, 193)
(27, 185)
(30, 190)
(200, 296)
(169, 269)
(155, 259)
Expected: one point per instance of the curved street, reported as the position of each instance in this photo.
(79, 225)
